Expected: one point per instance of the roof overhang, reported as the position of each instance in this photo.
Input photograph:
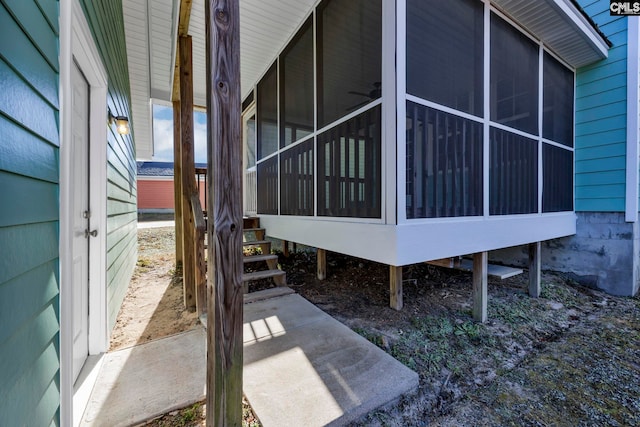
(561, 26)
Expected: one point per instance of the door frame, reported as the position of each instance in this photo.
(76, 43)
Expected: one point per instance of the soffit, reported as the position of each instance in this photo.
(561, 26)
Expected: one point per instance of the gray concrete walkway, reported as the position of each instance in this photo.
(301, 367)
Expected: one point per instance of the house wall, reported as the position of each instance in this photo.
(157, 194)
(107, 26)
(601, 96)
(29, 176)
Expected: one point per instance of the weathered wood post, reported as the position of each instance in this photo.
(188, 173)
(224, 284)
(177, 183)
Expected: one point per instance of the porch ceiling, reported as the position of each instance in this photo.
(151, 27)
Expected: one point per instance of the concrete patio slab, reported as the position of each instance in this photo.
(302, 367)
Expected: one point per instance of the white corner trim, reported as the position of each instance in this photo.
(633, 111)
(401, 111)
(389, 111)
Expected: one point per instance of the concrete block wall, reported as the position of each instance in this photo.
(604, 253)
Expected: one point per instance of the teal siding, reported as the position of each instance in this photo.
(601, 119)
(107, 24)
(29, 228)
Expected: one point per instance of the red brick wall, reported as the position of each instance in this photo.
(158, 194)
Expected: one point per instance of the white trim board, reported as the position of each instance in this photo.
(633, 110)
(415, 242)
(76, 44)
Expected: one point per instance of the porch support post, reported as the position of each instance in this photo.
(321, 259)
(224, 148)
(395, 287)
(534, 269)
(480, 261)
(188, 173)
(177, 183)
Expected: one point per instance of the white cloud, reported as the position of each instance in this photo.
(163, 140)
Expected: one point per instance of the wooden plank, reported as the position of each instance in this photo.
(395, 287)
(534, 269)
(267, 294)
(200, 230)
(188, 172)
(258, 258)
(480, 286)
(262, 274)
(321, 258)
(498, 271)
(177, 183)
(225, 288)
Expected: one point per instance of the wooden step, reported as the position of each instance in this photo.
(264, 274)
(256, 243)
(258, 258)
(258, 232)
(251, 222)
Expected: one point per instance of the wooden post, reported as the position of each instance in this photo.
(224, 148)
(177, 183)
(285, 248)
(321, 259)
(395, 287)
(188, 173)
(480, 286)
(200, 230)
(534, 269)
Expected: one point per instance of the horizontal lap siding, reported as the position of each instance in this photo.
(29, 227)
(601, 119)
(107, 25)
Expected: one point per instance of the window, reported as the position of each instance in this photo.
(445, 51)
(513, 174)
(296, 83)
(514, 77)
(444, 164)
(557, 188)
(267, 112)
(296, 180)
(557, 118)
(349, 176)
(349, 56)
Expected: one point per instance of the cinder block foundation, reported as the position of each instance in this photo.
(604, 253)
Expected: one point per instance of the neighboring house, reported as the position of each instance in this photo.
(155, 187)
(67, 200)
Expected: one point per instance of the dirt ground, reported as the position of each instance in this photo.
(570, 357)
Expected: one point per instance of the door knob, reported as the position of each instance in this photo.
(88, 233)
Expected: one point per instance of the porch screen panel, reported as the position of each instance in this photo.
(296, 179)
(296, 86)
(268, 186)
(445, 52)
(557, 117)
(444, 164)
(557, 188)
(513, 173)
(349, 169)
(267, 113)
(514, 77)
(349, 56)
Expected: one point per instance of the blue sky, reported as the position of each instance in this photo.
(163, 134)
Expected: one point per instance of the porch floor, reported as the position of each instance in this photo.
(301, 367)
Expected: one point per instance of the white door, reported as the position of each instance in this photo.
(81, 214)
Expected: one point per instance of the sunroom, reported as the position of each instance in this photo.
(417, 130)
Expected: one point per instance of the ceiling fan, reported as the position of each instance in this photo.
(373, 94)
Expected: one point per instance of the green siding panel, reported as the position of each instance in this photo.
(601, 119)
(34, 289)
(29, 206)
(32, 200)
(18, 50)
(35, 24)
(26, 247)
(32, 111)
(24, 153)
